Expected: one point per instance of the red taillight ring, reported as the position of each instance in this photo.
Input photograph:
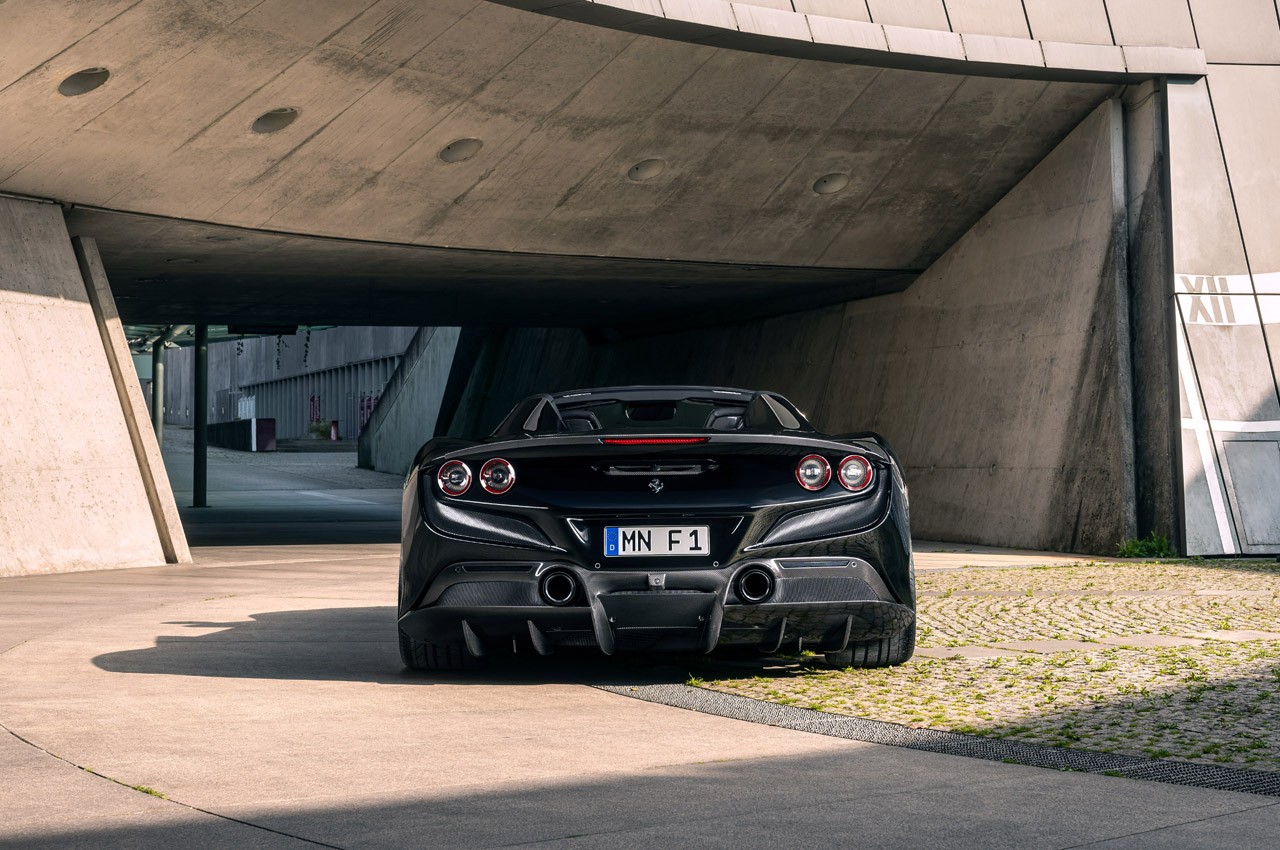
(444, 472)
(866, 480)
(826, 472)
(486, 476)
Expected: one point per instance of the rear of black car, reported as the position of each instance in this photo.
(656, 540)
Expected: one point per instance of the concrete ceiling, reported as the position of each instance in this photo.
(170, 271)
(545, 208)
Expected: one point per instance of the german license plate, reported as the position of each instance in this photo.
(621, 541)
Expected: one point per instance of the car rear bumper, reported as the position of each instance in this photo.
(826, 603)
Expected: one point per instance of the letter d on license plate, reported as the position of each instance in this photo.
(621, 541)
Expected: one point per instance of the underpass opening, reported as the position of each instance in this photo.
(997, 358)
(636, 174)
(944, 257)
(911, 251)
(284, 413)
(1002, 375)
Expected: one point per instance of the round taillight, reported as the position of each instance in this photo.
(454, 478)
(813, 472)
(855, 473)
(497, 476)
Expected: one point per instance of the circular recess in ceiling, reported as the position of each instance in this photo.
(182, 261)
(829, 184)
(460, 150)
(223, 238)
(646, 169)
(675, 286)
(275, 120)
(83, 82)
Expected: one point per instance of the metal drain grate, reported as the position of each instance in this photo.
(954, 743)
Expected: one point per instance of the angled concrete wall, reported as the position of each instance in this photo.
(519, 361)
(1001, 376)
(407, 413)
(72, 488)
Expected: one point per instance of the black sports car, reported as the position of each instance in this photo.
(656, 518)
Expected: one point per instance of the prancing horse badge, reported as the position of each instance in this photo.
(656, 485)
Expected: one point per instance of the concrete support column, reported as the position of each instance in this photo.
(164, 510)
(1157, 481)
(82, 485)
(157, 388)
(200, 382)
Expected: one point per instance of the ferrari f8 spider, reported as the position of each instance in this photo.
(656, 519)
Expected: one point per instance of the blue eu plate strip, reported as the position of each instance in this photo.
(611, 540)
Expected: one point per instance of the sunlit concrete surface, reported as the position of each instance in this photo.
(260, 692)
(259, 696)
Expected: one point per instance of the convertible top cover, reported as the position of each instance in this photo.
(653, 410)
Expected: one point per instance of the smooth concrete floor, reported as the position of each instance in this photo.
(282, 498)
(261, 692)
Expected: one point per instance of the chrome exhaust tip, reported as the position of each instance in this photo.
(558, 587)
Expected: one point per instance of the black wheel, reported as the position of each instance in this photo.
(422, 655)
(885, 652)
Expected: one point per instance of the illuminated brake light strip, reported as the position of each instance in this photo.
(652, 441)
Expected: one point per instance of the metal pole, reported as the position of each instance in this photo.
(200, 471)
(157, 388)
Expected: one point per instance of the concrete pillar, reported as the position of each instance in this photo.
(1157, 480)
(82, 485)
(200, 381)
(157, 388)
(164, 510)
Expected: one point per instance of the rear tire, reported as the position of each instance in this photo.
(885, 652)
(423, 655)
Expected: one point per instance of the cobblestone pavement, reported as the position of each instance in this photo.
(1168, 660)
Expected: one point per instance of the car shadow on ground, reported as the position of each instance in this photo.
(359, 645)
(279, 527)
